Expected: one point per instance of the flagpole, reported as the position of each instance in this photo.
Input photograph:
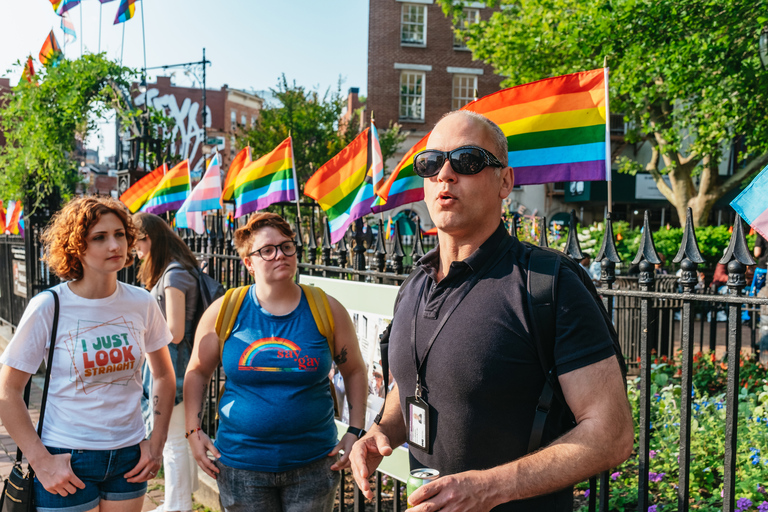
(81, 28)
(295, 181)
(122, 44)
(608, 139)
(100, 6)
(144, 43)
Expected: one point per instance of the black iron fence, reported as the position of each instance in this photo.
(653, 314)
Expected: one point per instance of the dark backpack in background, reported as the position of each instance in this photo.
(208, 290)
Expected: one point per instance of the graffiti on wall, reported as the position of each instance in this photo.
(187, 131)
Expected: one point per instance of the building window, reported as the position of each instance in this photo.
(233, 120)
(413, 25)
(464, 87)
(411, 95)
(253, 121)
(470, 17)
(243, 119)
(617, 124)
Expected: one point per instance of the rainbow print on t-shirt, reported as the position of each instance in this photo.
(284, 350)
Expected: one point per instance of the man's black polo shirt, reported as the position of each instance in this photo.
(482, 376)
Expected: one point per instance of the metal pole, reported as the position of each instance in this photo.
(205, 113)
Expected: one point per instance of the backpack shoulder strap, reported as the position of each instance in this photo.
(228, 311)
(321, 312)
(543, 268)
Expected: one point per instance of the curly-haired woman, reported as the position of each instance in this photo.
(277, 445)
(92, 454)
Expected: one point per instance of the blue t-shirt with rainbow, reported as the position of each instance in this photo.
(276, 412)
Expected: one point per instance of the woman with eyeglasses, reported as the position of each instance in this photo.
(93, 454)
(169, 271)
(277, 445)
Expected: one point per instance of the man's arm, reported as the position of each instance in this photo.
(368, 451)
(602, 439)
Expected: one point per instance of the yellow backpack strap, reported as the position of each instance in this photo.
(228, 311)
(321, 312)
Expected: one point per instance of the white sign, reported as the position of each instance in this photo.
(645, 187)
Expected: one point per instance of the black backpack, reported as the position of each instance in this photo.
(208, 290)
(543, 269)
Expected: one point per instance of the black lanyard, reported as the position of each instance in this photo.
(501, 250)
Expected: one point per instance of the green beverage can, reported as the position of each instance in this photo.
(420, 477)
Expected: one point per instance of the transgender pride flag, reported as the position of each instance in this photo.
(751, 205)
(205, 196)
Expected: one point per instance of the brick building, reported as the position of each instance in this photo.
(5, 88)
(228, 110)
(418, 69)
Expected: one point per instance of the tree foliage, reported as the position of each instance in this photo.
(685, 73)
(43, 120)
(313, 121)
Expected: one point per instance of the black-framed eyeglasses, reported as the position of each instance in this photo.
(269, 252)
(464, 160)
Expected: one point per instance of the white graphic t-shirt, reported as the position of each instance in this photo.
(93, 397)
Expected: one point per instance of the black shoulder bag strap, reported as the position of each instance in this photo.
(28, 388)
(543, 268)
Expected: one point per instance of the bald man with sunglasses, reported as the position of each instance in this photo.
(461, 352)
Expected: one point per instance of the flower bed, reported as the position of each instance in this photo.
(707, 438)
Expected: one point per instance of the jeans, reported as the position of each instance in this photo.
(308, 488)
(102, 472)
(179, 466)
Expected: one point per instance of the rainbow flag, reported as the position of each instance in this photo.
(125, 11)
(205, 196)
(68, 28)
(171, 192)
(135, 197)
(242, 159)
(62, 6)
(344, 186)
(751, 205)
(28, 73)
(556, 128)
(13, 217)
(50, 53)
(2, 218)
(403, 186)
(268, 180)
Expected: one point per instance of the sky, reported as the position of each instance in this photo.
(250, 43)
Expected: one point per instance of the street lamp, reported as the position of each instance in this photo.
(762, 44)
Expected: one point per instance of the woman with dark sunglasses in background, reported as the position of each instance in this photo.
(277, 445)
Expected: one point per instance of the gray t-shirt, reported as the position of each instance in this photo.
(178, 277)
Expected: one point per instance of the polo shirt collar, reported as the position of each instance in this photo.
(474, 261)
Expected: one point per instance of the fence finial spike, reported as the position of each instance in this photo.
(418, 243)
(381, 253)
(326, 235)
(737, 247)
(689, 248)
(299, 243)
(397, 247)
(608, 248)
(572, 247)
(647, 249)
(543, 242)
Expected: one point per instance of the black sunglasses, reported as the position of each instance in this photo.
(464, 160)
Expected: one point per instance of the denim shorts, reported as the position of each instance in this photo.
(102, 472)
(309, 488)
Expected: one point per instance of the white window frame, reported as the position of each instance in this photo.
(459, 100)
(412, 99)
(243, 120)
(458, 40)
(233, 119)
(407, 8)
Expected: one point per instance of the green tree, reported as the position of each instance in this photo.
(43, 120)
(313, 121)
(685, 74)
(310, 118)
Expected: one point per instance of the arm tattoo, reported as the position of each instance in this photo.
(341, 358)
(156, 399)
